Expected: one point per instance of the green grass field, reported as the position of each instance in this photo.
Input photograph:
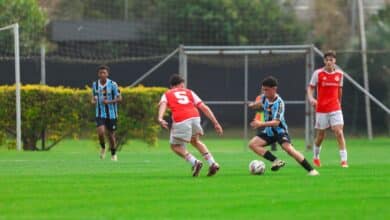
(70, 182)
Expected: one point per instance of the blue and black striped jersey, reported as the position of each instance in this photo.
(109, 91)
(274, 111)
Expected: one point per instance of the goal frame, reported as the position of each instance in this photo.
(15, 30)
(310, 51)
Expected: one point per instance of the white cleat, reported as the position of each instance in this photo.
(103, 154)
(314, 173)
(114, 158)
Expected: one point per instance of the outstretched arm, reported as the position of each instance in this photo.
(210, 115)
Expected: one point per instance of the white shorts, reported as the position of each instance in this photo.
(182, 132)
(326, 120)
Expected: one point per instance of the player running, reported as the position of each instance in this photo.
(186, 127)
(329, 83)
(106, 95)
(274, 128)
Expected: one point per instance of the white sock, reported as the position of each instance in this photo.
(209, 157)
(191, 159)
(343, 155)
(316, 152)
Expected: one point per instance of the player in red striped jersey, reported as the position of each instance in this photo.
(329, 84)
(186, 127)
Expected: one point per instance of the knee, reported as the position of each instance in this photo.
(338, 132)
(252, 145)
(194, 141)
(321, 135)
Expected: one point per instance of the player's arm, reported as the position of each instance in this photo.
(311, 88)
(310, 95)
(210, 115)
(162, 108)
(259, 124)
(255, 105)
(340, 94)
(94, 95)
(276, 116)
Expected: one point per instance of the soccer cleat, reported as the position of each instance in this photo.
(196, 168)
(114, 158)
(102, 153)
(344, 164)
(317, 162)
(313, 173)
(213, 169)
(277, 164)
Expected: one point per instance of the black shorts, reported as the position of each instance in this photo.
(280, 138)
(110, 124)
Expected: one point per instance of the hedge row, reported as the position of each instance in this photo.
(51, 113)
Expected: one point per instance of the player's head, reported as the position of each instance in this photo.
(330, 59)
(269, 86)
(103, 72)
(176, 81)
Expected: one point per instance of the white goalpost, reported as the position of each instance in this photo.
(15, 30)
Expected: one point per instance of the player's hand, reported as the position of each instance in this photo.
(218, 129)
(163, 123)
(256, 124)
(313, 102)
(93, 101)
(105, 101)
(252, 105)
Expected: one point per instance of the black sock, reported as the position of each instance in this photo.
(113, 151)
(269, 156)
(306, 165)
(103, 145)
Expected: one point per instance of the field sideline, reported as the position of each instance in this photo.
(70, 182)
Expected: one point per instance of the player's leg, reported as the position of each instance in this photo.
(202, 148)
(112, 141)
(320, 136)
(111, 127)
(338, 131)
(180, 149)
(337, 123)
(258, 143)
(322, 123)
(100, 129)
(287, 146)
(180, 134)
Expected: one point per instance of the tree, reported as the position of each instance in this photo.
(227, 22)
(32, 20)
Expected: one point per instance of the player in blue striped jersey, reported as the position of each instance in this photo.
(106, 96)
(274, 128)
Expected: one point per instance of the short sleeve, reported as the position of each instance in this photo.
(163, 99)
(116, 89)
(94, 92)
(279, 111)
(314, 79)
(197, 100)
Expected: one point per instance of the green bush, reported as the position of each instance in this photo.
(53, 113)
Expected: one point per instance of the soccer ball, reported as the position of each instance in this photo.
(257, 167)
